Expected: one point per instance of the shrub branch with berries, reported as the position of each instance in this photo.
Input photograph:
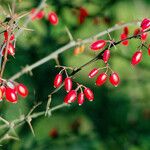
(10, 89)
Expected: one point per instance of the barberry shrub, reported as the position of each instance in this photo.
(89, 70)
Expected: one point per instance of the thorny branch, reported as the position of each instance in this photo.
(11, 126)
(71, 44)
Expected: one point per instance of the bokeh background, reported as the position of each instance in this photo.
(118, 118)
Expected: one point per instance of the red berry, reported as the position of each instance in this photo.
(53, 19)
(11, 50)
(136, 58)
(6, 36)
(58, 80)
(80, 98)
(126, 30)
(1, 94)
(149, 50)
(93, 73)
(22, 90)
(11, 95)
(136, 31)
(101, 79)
(114, 79)
(82, 15)
(68, 84)
(98, 45)
(70, 97)
(145, 24)
(53, 133)
(39, 15)
(123, 37)
(106, 56)
(144, 36)
(89, 94)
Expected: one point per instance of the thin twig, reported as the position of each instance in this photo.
(66, 47)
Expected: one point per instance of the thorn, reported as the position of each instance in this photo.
(33, 108)
(69, 34)
(4, 120)
(30, 125)
(48, 111)
(57, 61)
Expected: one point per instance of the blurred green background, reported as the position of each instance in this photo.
(118, 118)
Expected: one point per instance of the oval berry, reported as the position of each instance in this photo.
(12, 37)
(89, 94)
(114, 79)
(149, 51)
(58, 80)
(22, 90)
(11, 95)
(98, 45)
(93, 73)
(1, 94)
(126, 30)
(80, 98)
(52, 18)
(123, 37)
(136, 58)
(68, 84)
(144, 36)
(39, 15)
(106, 56)
(11, 50)
(136, 31)
(70, 97)
(101, 79)
(145, 24)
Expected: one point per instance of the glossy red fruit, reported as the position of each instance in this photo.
(136, 58)
(136, 31)
(39, 15)
(89, 94)
(145, 24)
(68, 84)
(52, 18)
(123, 37)
(83, 13)
(11, 95)
(1, 94)
(101, 79)
(126, 30)
(58, 80)
(149, 51)
(106, 56)
(11, 50)
(98, 45)
(93, 73)
(144, 36)
(70, 97)
(12, 37)
(80, 98)
(114, 79)
(22, 90)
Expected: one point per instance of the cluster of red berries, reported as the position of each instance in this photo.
(11, 47)
(102, 77)
(10, 89)
(124, 35)
(52, 16)
(72, 94)
(137, 56)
